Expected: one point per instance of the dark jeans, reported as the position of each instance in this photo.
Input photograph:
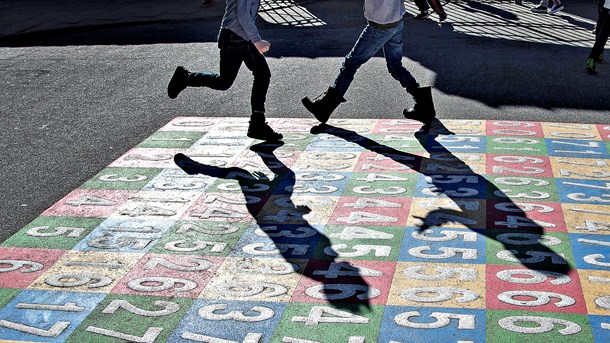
(371, 40)
(602, 32)
(233, 51)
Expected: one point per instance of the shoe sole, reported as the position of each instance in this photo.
(173, 81)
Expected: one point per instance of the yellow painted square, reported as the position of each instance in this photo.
(283, 209)
(444, 212)
(251, 279)
(570, 131)
(596, 290)
(438, 285)
(580, 168)
(586, 218)
(154, 205)
(107, 268)
(326, 162)
(464, 127)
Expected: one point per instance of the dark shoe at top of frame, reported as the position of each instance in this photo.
(263, 132)
(422, 15)
(178, 82)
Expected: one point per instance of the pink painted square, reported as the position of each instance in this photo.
(19, 267)
(524, 289)
(89, 203)
(521, 129)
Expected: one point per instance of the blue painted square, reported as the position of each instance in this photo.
(177, 180)
(600, 327)
(579, 191)
(278, 241)
(429, 324)
(442, 245)
(51, 308)
(576, 148)
(591, 251)
(452, 186)
(228, 320)
(456, 144)
(125, 235)
(330, 143)
(320, 184)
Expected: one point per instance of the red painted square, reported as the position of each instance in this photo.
(376, 279)
(19, 267)
(537, 290)
(604, 131)
(524, 129)
(372, 162)
(169, 275)
(89, 203)
(504, 215)
(346, 214)
(519, 165)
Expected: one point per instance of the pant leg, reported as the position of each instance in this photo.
(603, 31)
(368, 44)
(231, 56)
(436, 6)
(256, 62)
(422, 5)
(392, 51)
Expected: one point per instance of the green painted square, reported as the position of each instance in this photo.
(516, 145)
(133, 316)
(292, 141)
(171, 139)
(350, 236)
(381, 184)
(7, 294)
(523, 189)
(544, 256)
(189, 233)
(325, 323)
(502, 327)
(403, 143)
(53, 233)
(122, 178)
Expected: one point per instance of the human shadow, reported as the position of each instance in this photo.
(523, 239)
(342, 284)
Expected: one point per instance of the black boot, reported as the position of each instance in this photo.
(324, 104)
(423, 110)
(178, 82)
(259, 129)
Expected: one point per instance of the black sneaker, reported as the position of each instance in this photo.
(178, 82)
(422, 15)
(263, 132)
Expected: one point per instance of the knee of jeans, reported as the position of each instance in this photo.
(225, 84)
(262, 75)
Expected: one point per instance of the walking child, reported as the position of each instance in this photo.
(383, 31)
(239, 41)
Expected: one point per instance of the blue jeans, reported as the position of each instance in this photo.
(233, 51)
(371, 40)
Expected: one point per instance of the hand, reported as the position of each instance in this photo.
(262, 46)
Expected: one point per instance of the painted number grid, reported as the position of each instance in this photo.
(362, 231)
